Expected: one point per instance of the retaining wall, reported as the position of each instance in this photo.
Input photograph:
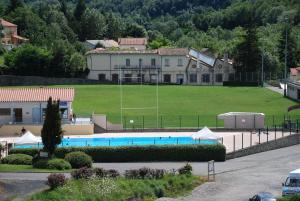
(266, 146)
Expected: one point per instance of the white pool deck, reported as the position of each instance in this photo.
(231, 140)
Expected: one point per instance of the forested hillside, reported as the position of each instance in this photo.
(240, 28)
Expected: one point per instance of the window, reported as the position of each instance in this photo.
(128, 77)
(180, 63)
(167, 78)
(219, 78)
(167, 62)
(127, 62)
(153, 78)
(193, 78)
(179, 78)
(153, 63)
(231, 77)
(4, 111)
(205, 78)
(101, 77)
(115, 78)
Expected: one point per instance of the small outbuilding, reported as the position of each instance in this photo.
(243, 120)
(205, 134)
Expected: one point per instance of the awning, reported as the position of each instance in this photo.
(28, 138)
(205, 134)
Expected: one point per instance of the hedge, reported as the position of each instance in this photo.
(143, 153)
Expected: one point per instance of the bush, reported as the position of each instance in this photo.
(79, 159)
(17, 159)
(82, 173)
(41, 163)
(145, 173)
(187, 169)
(28, 151)
(56, 180)
(100, 173)
(58, 164)
(198, 153)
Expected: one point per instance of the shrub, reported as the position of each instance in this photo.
(198, 153)
(82, 173)
(187, 169)
(100, 172)
(112, 173)
(79, 159)
(41, 163)
(58, 164)
(28, 151)
(145, 173)
(56, 180)
(17, 159)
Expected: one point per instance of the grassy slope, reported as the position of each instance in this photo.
(188, 101)
(121, 189)
(25, 168)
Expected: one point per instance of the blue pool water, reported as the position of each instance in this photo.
(126, 141)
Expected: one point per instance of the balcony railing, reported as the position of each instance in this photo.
(137, 67)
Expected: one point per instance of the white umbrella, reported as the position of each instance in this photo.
(28, 138)
(205, 134)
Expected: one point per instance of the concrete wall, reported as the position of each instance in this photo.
(27, 108)
(292, 91)
(70, 129)
(244, 121)
(267, 146)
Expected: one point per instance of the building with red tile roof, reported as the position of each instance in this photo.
(27, 105)
(11, 38)
(133, 43)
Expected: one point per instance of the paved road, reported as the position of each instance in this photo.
(237, 179)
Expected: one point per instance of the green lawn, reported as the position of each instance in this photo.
(25, 168)
(178, 104)
(121, 189)
(185, 106)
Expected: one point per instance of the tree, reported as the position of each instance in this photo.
(247, 56)
(114, 27)
(160, 42)
(13, 5)
(79, 10)
(135, 30)
(52, 132)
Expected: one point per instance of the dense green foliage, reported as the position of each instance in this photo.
(17, 159)
(79, 159)
(143, 153)
(58, 164)
(121, 189)
(220, 25)
(52, 132)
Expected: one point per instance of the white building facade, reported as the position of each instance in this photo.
(165, 65)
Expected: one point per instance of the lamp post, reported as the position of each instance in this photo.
(285, 59)
(262, 68)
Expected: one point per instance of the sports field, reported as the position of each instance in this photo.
(179, 106)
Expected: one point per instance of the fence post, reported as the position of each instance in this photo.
(258, 136)
(233, 143)
(235, 121)
(216, 122)
(180, 121)
(275, 132)
(198, 121)
(273, 121)
(282, 130)
(222, 140)
(290, 129)
(297, 126)
(143, 118)
(161, 121)
(250, 139)
(125, 122)
(242, 140)
(267, 134)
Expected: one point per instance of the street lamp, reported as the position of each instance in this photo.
(285, 58)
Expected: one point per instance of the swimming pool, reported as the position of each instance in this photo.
(125, 141)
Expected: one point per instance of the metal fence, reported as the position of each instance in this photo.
(195, 121)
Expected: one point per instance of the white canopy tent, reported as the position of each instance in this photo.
(205, 134)
(28, 138)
